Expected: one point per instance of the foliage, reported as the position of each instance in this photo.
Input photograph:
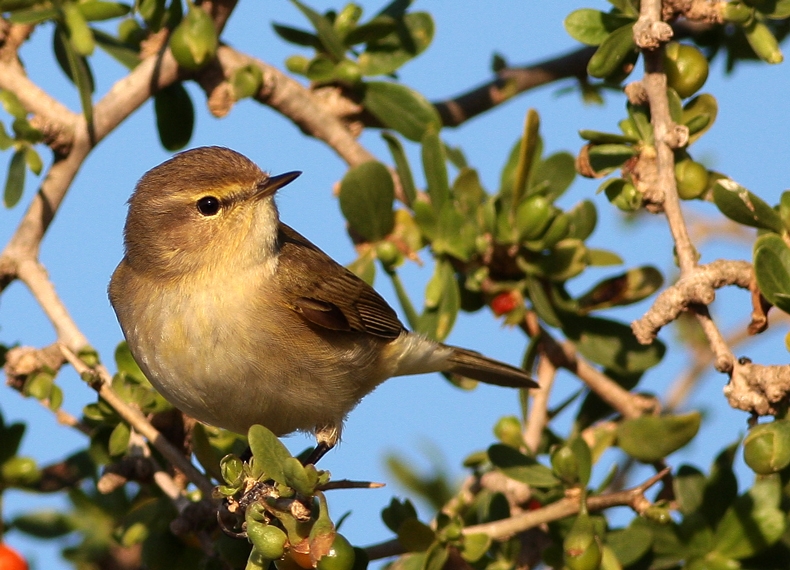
(512, 249)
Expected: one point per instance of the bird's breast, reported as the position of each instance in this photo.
(228, 352)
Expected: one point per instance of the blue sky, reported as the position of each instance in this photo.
(412, 416)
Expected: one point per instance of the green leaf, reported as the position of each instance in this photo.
(598, 137)
(442, 302)
(603, 258)
(24, 131)
(79, 34)
(375, 29)
(753, 522)
(611, 344)
(630, 544)
(297, 36)
(475, 546)
(401, 109)
(553, 175)
(78, 71)
(10, 440)
(126, 364)
(436, 556)
(468, 193)
(699, 115)
(119, 439)
(364, 267)
(43, 523)
(639, 119)
(583, 219)
(366, 197)
(15, 181)
(397, 512)
(515, 465)
(740, 205)
(5, 141)
(34, 15)
(120, 51)
(401, 166)
(326, 32)
(175, 116)
(772, 269)
(529, 152)
(763, 42)
(592, 27)
(434, 164)
(651, 438)
(689, 487)
(268, 452)
(612, 52)
(410, 37)
(566, 259)
(415, 536)
(33, 160)
(605, 158)
(96, 10)
(624, 289)
(12, 105)
(541, 302)
(454, 234)
(204, 452)
(320, 68)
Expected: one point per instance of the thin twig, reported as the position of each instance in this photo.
(504, 529)
(136, 419)
(538, 414)
(565, 356)
(348, 484)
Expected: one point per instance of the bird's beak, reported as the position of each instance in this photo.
(273, 183)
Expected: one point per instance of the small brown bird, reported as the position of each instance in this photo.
(239, 320)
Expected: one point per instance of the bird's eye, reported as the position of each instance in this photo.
(208, 205)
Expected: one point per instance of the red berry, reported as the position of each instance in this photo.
(505, 302)
(10, 559)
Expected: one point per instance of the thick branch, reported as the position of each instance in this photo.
(510, 82)
(696, 287)
(758, 389)
(299, 104)
(650, 33)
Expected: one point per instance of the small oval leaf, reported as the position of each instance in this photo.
(401, 109)
(175, 116)
(651, 438)
(740, 205)
(366, 197)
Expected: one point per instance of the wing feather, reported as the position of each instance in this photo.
(327, 294)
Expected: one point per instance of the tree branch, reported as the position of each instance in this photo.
(650, 33)
(136, 419)
(565, 356)
(538, 414)
(510, 82)
(504, 529)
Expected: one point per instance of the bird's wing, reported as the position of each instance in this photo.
(329, 295)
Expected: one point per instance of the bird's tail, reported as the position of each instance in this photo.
(478, 367)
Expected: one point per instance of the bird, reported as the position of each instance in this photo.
(237, 319)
